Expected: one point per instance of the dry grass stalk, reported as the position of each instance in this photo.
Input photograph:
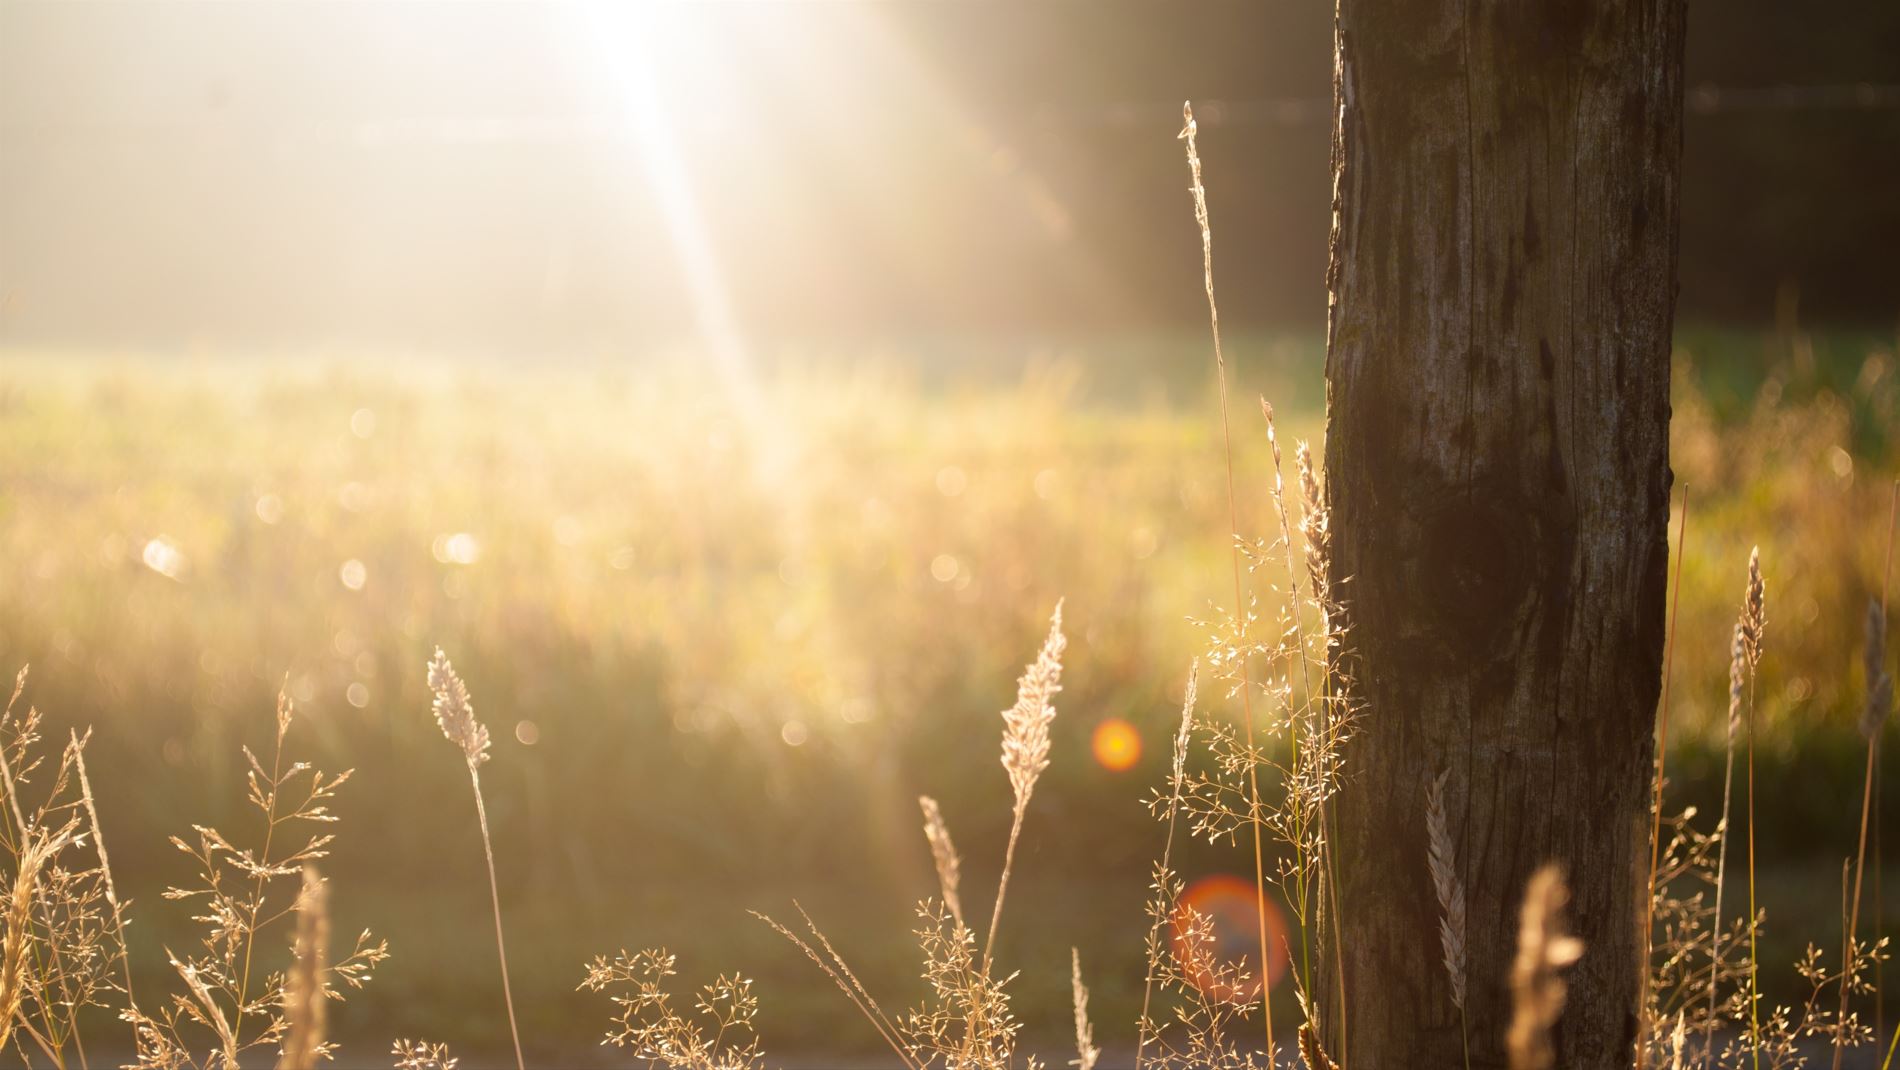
(1442, 857)
(236, 894)
(1879, 702)
(1026, 748)
(1322, 743)
(1086, 1053)
(1171, 803)
(717, 1035)
(944, 854)
(54, 990)
(305, 995)
(205, 1009)
(455, 713)
(1750, 629)
(1645, 1024)
(105, 866)
(1537, 989)
(1201, 218)
(834, 967)
(422, 1055)
(16, 975)
(1737, 678)
(1872, 719)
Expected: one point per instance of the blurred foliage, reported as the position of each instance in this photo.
(724, 637)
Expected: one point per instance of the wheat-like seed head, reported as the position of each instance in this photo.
(1537, 990)
(1026, 724)
(1443, 859)
(1310, 1049)
(1754, 617)
(16, 977)
(1879, 684)
(1187, 726)
(454, 712)
(1086, 1053)
(1737, 679)
(208, 1012)
(944, 854)
(304, 995)
(1315, 524)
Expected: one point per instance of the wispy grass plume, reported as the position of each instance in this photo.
(1026, 748)
(1188, 133)
(1537, 988)
(944, 854)
(456, 715)
(305, 997)
(1086, 1053)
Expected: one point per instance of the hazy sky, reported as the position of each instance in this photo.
(482, 175)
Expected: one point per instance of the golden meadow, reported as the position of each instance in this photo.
(723, 635)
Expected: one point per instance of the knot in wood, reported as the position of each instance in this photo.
(1475, 564)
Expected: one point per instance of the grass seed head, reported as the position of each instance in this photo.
(1026, 724)
(454, 712)
(1442, 856)
(1537, 989)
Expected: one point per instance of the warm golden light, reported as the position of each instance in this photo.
(1117, 745)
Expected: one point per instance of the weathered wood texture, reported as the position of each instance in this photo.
(1503, 280)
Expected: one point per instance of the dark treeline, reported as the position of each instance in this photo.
(510, 176)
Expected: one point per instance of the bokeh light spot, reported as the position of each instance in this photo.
(353, 574)
(165, 558)
(951, 481)
(1117, 745)
(461, 548)
(1216, 938)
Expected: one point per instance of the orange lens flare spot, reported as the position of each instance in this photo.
(1215, 935)
(1117, 745)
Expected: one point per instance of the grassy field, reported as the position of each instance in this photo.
(724, 633)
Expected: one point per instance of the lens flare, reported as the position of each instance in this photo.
(1216, 938)
(1117, 745)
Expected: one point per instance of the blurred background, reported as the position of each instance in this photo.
(732, 390)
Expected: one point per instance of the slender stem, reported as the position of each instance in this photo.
(1002, 885)
(1240, 605)
(1167, 859)
(1715, 923)
(494, 892)
(105, 869)
(1754, 956)
(1853, 915)
(1321, 753)
(1866, 793)
(57, 1044)
(1656, 804)
(257, 894)
(1880, 900)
